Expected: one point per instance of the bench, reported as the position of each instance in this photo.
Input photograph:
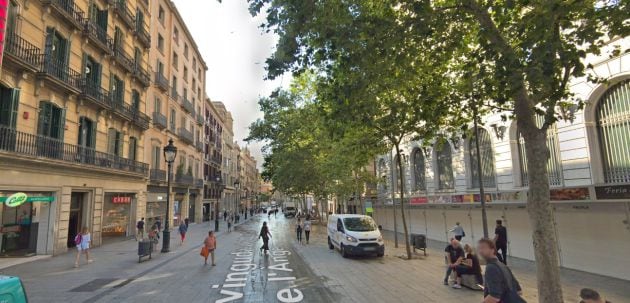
(470, 281)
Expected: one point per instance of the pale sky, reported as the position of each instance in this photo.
(235, 50)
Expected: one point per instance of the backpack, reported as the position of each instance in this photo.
(78, 239)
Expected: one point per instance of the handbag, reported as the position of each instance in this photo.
(204, 252)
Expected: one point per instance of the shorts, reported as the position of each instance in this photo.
(82, 246)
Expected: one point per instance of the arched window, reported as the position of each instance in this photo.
(554, 166)
(395, 175)
(418, 170)
(613, 127)
(444, 167)
(487, 159)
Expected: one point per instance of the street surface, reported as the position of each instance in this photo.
(290, 273)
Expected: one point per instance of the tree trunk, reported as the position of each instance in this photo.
(402, 201)
(359, 196)
(541, 213)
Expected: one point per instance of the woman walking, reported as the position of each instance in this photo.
(298, 229)
(82, 240)
(265, 235)
(229, 222)
(209, 245)
(307, 227)
(182, 232)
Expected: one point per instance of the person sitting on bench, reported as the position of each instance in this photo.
(468, 266)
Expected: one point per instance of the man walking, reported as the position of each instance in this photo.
(500, 240)
(458, 231)
(454, 256)
(500, 285)
(140, 227)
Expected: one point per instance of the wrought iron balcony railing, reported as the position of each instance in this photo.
(38, 146)
(68, 10)
(123, 59)
(187, 105)
(60, 72)
(95, 93)
(184, 179)
(157, 175)
(98, 36)
(123, 11)
(199, 119)
(161, 81)
(141, 74)
(142, 33)
(22, 52)
(159, 120)
(185, 135)
(130, 113)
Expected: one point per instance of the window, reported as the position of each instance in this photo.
(613, 128)
(118, 38)
(418, 170)
(444, 167)
(173, 119)
(114, 142)
(12, 18)
(87, 132)
(99, 18)
(185, 74)
(139, 19)
(92, 73)
(157, 105)
(395, 176)
(58, 48)
(9, 101)
(161, 15)
(194, 83)
(156, 154)
(554, 168)
(135, 100)
(186, 50)
(487, 159)
(52, 120)
(132, 148)
(194, 63)
(160, 68)
(137, 57)
(117, 89)
(174, 87)
(160, 43)
(176, 35)
(175, 60)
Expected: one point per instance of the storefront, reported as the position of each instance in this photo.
(156, 208)
(208, 211)
(25, 222)
(118, 215)
(177, 208)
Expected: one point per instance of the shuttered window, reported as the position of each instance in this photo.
(487, 159)
(51, 120)
(115, 142)
(9, 101)
(133, 148)
(613, 126)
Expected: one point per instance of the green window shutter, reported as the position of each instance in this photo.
(62, 123)
(122, 91)
(132, 148)
(93, 131)
(119, 143)
(111, 87)
(82, 128)
(98, 70)
(15, 102)
(67, 54)
(43, 123)
(83, 67)
(50, 33)
(111, 141)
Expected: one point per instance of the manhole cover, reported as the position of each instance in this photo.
(93, 285)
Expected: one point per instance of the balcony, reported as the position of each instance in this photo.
(199, 119)
(60, 74)
(141, 75)
(123, 59)
(142, 33)
(161, 81)
(41, 147)
(174, 94)
(159, 120)
(188, 106)
(199, 183)
(98, 36)
(184, 179)
(185, 136)
(157, 175)
(93, 92)
(199, 146)
(129, 113)
(67, 10)
(21, 53)
(124, 13)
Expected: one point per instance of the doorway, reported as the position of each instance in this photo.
(76, 219)
(191, 208)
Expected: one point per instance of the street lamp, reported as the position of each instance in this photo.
(216, 204)
(170, 152)
(237, 199)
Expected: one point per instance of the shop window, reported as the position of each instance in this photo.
(613, 128)
(9, 101)
(487, 159)
(444, 167)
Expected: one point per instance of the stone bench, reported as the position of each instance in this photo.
(470, 281)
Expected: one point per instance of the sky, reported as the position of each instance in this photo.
(234, 49)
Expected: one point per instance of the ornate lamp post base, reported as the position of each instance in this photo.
(166, 241)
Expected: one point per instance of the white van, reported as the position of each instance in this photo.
(355, 235)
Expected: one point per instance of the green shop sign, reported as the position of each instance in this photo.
(18, 199)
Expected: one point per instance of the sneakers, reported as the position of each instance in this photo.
(457, 286)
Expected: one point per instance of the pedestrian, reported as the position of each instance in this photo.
(454, 256)
(265, 235)
(298, 229)
(82, 241)
(140, 228)
(500, 241)
(225, 215)
(468, 266)
(182, 232)
(158, 224)
(229, 223)
(458, 231)
(500, 285)
(591, 296)
(187, 222)
(269, 214)
(154, 235)
(209, 245)
(275, 213)
(307, 228)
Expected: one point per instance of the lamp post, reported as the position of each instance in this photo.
(170, 152)
(216, 204)
(237, 198)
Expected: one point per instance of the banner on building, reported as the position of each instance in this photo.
(612, 192)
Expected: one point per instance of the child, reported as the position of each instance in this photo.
(82, 240)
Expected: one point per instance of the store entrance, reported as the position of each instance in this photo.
(17, 231)
(76, 220)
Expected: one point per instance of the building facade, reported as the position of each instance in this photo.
(588, 173)
(229, 162)
(250, 185)
(176, 101)
(213, 159)
(72, 122)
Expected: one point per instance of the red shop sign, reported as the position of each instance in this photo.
(121, 200)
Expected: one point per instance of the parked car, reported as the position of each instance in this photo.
(355, 235)
(12, 290)
(289, 211)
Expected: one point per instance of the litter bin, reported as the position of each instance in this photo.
(419, 241)
(145, 248)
